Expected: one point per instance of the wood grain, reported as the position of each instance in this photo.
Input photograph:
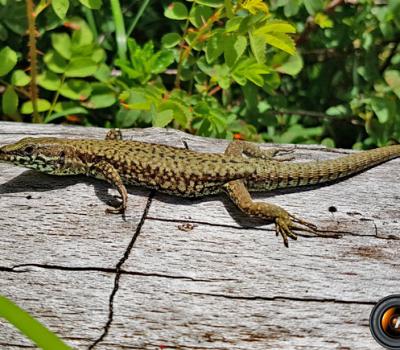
(194, 274)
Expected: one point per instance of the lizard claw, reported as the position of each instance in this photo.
(284, 226)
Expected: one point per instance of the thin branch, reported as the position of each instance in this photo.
(33, 59)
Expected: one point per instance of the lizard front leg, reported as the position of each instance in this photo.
(285, 223)
(106, 171)
(251, 150)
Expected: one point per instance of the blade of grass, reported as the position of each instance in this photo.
(32, 328)
(120, 33)
(139, 14)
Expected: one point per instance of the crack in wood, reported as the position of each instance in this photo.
(118, 272)
(257, 297)
(23, 268)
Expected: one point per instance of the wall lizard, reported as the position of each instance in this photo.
(243, 168)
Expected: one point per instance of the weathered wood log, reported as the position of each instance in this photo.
(194, 274)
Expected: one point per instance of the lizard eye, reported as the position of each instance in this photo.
(28, 150)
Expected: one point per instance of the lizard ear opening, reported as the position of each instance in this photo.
(61, 159)
(28, 150)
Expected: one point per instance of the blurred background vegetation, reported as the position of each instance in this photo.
(290, 71)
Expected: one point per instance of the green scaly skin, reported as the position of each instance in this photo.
(182, 172)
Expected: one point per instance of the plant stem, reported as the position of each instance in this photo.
(120, 33)
(55, 99)
(33, 59)
(137, 17)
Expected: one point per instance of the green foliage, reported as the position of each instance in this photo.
(308, 71)
(29, 326)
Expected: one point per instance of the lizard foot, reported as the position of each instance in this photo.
(120, 209)
(285, 224)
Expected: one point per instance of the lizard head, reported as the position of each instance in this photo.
(44, 154)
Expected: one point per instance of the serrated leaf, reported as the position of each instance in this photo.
(92, 4)
(20, 78)
(42, 106)
(163, 118)
(60, 7)
(80, 67)
(214, 47)
(8, 60)
(61, 42)
(234, 47)
(177, 11)
(257, 44)
(9, 102)
(255, 6)
(276, 26)
(280, 41)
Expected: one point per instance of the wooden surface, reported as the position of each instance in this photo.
(194, 274)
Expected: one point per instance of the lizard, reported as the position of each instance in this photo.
(243, 168)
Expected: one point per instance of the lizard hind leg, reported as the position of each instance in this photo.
(239, 148)
(285, 223)
(114, 134)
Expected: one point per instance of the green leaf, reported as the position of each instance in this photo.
(8, 60)
(92, 4)
(176, 10)
(250, 69)
(313, 6)
(80, 67)
(82, 37)
(49, 81)
(42, 106)
(199, 15)
(280, 41)
(392, 78)
(160, 61)
(61, 42)
(20, 78)
(10, 101)
(257, 45)
(234, 47)
(276, 26)
(97, 101)
(233, 24)
(210, 3)
(65, 112)
(171, 40)
(292, 66)
(384, 108)
(214, 47)
(60, 7)
(291, 8)
(323, 21)
(55, 62)
(76, 89)
(163, 118)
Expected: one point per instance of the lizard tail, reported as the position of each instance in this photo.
(285, 175)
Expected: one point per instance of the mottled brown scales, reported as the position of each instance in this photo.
(242, 168)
